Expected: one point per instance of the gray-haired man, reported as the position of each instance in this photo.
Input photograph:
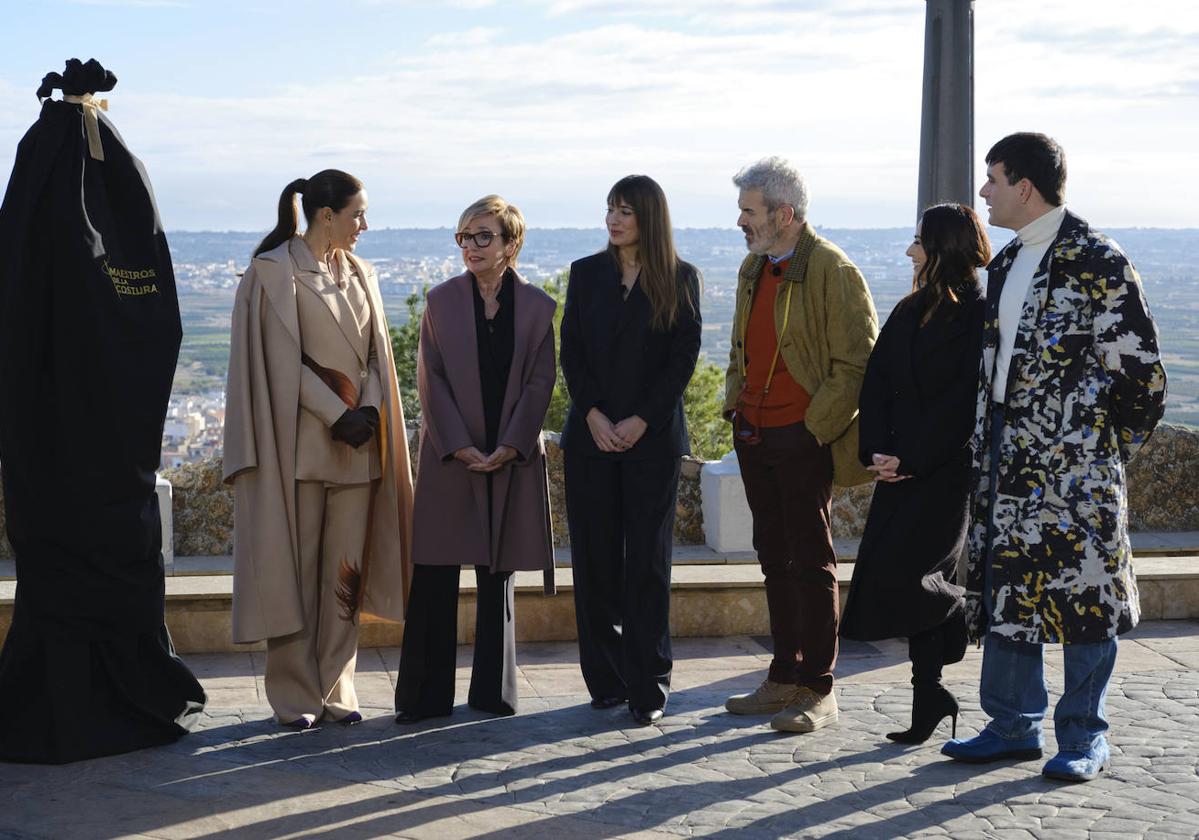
(803, 330)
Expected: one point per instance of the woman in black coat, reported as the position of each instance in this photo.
(917, 414)
(630, 340)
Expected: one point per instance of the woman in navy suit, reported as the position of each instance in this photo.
(917, 416)
(630, 340)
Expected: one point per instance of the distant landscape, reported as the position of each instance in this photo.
(207, 266)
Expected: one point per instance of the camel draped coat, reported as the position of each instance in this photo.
(451, 526)
(261, 418)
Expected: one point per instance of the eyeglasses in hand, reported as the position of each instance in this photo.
(481, 239)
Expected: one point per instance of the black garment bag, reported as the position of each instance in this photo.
(89, 338)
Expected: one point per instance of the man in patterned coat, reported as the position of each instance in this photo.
(1071, 386)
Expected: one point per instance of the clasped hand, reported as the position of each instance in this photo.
(614, 437)
(886, 468)
(355, 426)
(476, 461)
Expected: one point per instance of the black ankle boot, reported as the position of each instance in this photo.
(931, 704)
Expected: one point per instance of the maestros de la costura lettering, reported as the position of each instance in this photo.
(125, 280)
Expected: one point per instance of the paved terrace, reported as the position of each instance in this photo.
(560, 769)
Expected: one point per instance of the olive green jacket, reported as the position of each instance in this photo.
(829, 334)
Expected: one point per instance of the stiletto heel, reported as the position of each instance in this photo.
(930, 706)
(954, 726)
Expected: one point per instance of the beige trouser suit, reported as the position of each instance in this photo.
(310, 673)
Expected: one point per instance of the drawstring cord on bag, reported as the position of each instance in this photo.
(90, 121)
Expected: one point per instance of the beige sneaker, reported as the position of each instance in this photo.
(766, 699)
(807, 712)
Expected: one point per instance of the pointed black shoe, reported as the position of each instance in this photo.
(404, 718)
(931, 704)
(607, 702)
(645, 717)
(493, 707)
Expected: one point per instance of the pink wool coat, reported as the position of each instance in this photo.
(450, 509)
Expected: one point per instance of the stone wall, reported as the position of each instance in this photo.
(849, 509)
(688, 518)
(1163, 496)
(202, 507)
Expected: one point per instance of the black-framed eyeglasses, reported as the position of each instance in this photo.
(481, 239)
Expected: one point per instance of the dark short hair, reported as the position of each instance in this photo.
(1037, 157)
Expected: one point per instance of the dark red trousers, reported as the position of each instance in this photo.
(788, 483)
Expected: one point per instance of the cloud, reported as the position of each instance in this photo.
(580, 107)
(474, 37)
(1110, 38)
(137, 4)
(549, 101)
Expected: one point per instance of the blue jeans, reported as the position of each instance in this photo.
(1013, 691)
(1014, 696)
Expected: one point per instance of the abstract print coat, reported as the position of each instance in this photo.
(1085, 389)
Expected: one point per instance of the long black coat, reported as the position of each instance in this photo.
(917, 402)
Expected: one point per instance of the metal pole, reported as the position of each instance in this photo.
(947, 114)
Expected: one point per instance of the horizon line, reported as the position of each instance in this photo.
(264, 231)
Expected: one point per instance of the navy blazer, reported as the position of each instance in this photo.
(613, 359)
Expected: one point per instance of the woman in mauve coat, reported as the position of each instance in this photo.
(917, 416)
(485, 372)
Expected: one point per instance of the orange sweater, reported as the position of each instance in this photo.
(786, 402)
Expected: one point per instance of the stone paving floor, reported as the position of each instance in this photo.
(561, 770)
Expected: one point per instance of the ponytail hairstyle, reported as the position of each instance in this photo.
(330, 188)
(955, 246)
(655, 248)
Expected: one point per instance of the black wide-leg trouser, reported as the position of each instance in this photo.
(621, 518)
(428, 657)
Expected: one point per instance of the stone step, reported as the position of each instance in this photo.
(1144, 544)
(707, 599)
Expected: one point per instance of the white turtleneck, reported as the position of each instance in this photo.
(1035, 239)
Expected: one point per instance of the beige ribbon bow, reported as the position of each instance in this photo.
(90, 121)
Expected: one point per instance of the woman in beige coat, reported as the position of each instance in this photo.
(316, 453)
(485, 374)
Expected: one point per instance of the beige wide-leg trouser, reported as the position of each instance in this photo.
(311, 672)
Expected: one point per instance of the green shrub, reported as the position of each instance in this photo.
(404, 340)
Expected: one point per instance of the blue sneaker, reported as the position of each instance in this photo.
(1074, 766)
(987, 746)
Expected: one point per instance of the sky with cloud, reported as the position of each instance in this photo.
(548, 102)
